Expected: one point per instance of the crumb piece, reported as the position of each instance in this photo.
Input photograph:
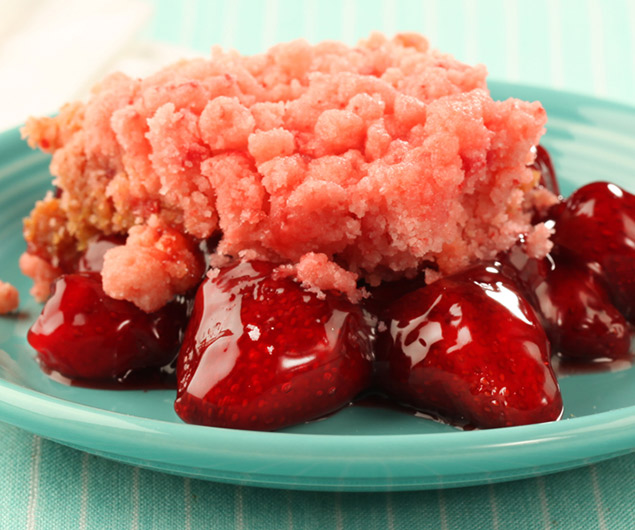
(42, 273)
(537, 242)
(226, 124)
(541, 199)
(46, 229)
(50, 134)
(432, 276)
(155, 264)
(317, 271)
(265, 145)
(9, 298)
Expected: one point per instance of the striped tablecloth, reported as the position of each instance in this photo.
(581, 46)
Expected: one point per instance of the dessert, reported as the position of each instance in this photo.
(353, 220)
(341, 164)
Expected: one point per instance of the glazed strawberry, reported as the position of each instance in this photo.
(598, 225)
(84, 334)
(469, 349)
(573, 306)
(261, 352)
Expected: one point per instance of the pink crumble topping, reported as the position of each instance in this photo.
(155, 264)
(42, 273)
(342, 162)
(317, 271)
(538, 243)
(9, 298)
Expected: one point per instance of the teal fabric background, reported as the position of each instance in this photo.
(49, 486)
(584, 46)
(580, 46)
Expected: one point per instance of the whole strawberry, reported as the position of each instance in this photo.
(261, 352)
(598, 225)
(573, 305)
(469, 349)
(82, 333)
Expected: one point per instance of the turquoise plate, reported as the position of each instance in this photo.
(360, 448)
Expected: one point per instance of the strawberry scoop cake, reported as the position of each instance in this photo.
(350, 216)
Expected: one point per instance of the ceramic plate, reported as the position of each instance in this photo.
(360, 448)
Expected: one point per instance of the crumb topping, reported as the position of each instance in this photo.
(345, 163)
